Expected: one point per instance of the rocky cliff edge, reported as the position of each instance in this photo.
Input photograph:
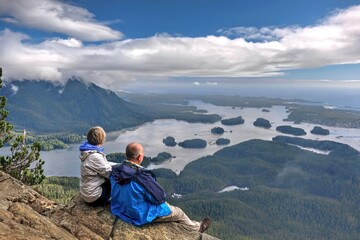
(26, 214)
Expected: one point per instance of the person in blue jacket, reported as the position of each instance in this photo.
(138, 199)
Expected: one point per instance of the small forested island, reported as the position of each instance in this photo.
(120, 157)
(291, 130)
(193, 143)
(262, 122)
(161, 157)
(217, 130)
(169, 141)
(116, 157)
(233, 121)
(320, 131)
(222, 141)
(55, 141)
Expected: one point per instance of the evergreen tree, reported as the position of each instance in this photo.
(22, 155)
(5, 127)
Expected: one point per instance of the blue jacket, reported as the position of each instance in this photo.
(136, 201)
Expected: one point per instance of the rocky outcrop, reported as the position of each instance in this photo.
(26, 214)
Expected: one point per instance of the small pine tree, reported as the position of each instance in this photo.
(22, 156)
(5, 127)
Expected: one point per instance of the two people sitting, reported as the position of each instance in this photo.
(136, 197)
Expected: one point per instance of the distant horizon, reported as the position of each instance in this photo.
(329, 95)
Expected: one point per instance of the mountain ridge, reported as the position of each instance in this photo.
(41, 107)
(76, 106)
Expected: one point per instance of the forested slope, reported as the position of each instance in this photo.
(293, 193)
(284, 192)
(42, 107)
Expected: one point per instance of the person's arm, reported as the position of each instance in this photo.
(101, 165)
(113, 163)
(149, 198)
(154, 192)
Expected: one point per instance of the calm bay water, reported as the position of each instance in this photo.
(66, 162)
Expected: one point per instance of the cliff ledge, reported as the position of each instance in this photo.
(26, 214)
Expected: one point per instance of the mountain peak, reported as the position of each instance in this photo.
(42, 107)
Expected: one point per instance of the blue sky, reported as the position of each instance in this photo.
(205, 17)
(115, 43)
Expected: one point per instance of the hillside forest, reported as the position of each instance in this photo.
(283, 192)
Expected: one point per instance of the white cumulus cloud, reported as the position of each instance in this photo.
(56, 16)
(70, 42)
(335, 40)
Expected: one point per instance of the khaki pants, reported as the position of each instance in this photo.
(178, 215)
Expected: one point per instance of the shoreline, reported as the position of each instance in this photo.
(65, 162)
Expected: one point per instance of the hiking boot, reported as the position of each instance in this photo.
(205, 224)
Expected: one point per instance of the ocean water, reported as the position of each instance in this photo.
(336, 94)
(66, 162)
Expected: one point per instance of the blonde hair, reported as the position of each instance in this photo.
(96, 135)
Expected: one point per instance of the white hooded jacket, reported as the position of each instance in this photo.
(95, 169)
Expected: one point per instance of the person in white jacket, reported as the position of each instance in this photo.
(95, 188)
